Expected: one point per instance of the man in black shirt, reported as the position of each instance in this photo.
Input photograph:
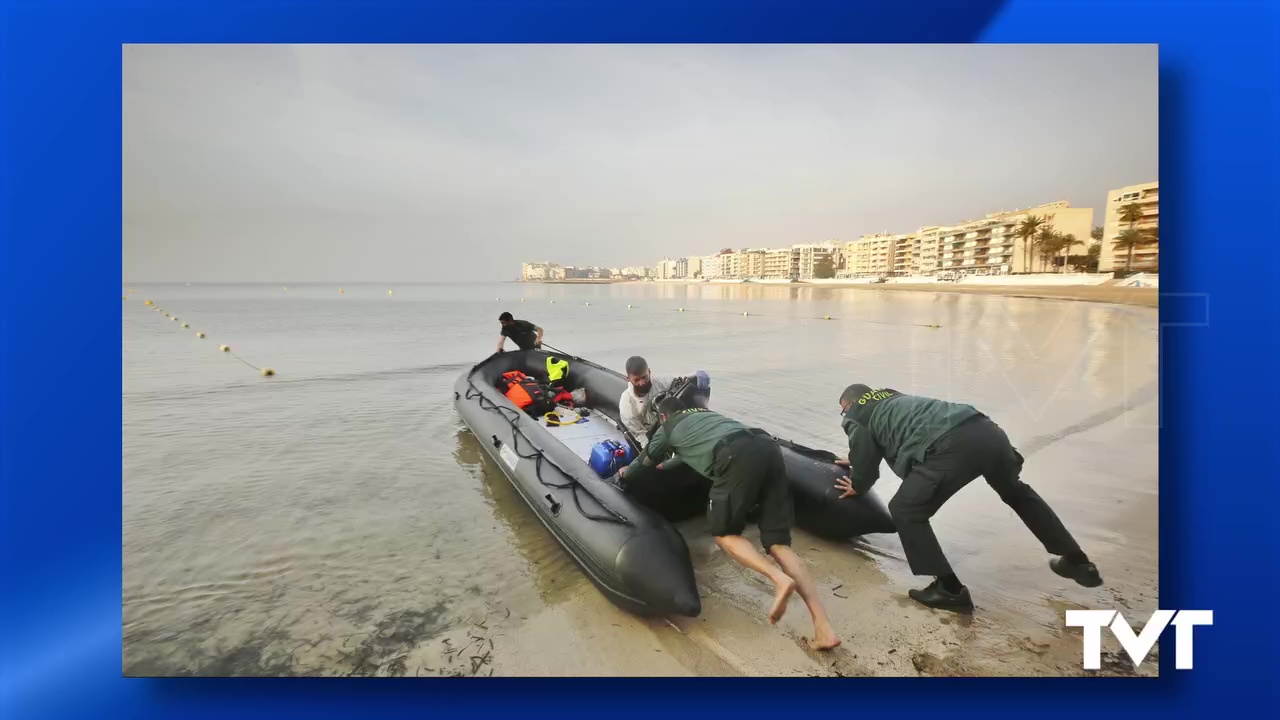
(523, 333)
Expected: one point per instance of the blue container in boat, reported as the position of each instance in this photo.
(610, 456)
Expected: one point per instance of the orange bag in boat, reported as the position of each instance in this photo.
(525, 392)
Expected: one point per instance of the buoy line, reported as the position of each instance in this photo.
(224, 348)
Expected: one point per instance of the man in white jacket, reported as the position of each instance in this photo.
(636, 408)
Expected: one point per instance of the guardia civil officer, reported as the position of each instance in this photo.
(937, 448)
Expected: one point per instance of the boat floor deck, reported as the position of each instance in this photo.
(585, 434)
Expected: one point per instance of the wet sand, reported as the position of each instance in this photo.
(1016, 630)
(1144, 297)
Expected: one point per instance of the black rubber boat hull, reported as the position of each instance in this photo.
(813, 473)
(636, 558)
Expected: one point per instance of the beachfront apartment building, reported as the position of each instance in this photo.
(778, 264)
(810, 261)
(1146, 257)
(666, 270)
(870, 255)
(693, 267)
(991, 246)
(902, 258)
(924, 253)
(731, 264)
(753, 262)
(711, 267)
(537, 271)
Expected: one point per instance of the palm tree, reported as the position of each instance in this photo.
(1131, 213)
(1129, 239)
(1046, 244)
(1026, 231)
(1065, 242)
(1094, 255)
(1151, 236)
(1096, 233)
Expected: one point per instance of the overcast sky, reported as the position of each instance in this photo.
(407, 163)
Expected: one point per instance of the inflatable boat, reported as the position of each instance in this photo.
(624, 540)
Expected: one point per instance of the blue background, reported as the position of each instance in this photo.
(59, 367)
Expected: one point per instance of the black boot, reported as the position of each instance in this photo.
(1084, 573)
(939, 598)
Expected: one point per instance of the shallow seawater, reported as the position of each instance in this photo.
(337, 518)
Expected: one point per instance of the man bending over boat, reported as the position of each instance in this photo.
(937, 448)
(745, 468)
(523, 333)
(636, 407)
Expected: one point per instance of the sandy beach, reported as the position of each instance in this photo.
(884, 633)
(1145, 297)
(1140, 296)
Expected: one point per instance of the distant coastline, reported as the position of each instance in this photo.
(1118, 295)
(574, 281)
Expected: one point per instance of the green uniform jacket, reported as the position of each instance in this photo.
(693, 440)
(884, 424)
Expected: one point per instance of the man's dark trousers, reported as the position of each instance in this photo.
(975, 447)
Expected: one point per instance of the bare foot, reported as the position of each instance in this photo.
(825, 641)
(780, 597)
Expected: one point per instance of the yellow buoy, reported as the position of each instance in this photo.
(124, 297)
(200, 335)
(628, 307)
(173, 318)
(744, 314)
(391, 292)
(150, 303)
(339, 291)
(828, 317)
(588, 304)
(521, 299)
(224, 348)
(268, 372)
(286, 289)
(553, 302)
(185, 325)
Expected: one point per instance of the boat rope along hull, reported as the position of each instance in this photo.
(629, 550)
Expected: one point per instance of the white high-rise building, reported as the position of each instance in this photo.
(1146, 257)
(731, 265)
(711, 267)
(666, 269)
(811, 260)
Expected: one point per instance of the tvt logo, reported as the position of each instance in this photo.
(1138, 645)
